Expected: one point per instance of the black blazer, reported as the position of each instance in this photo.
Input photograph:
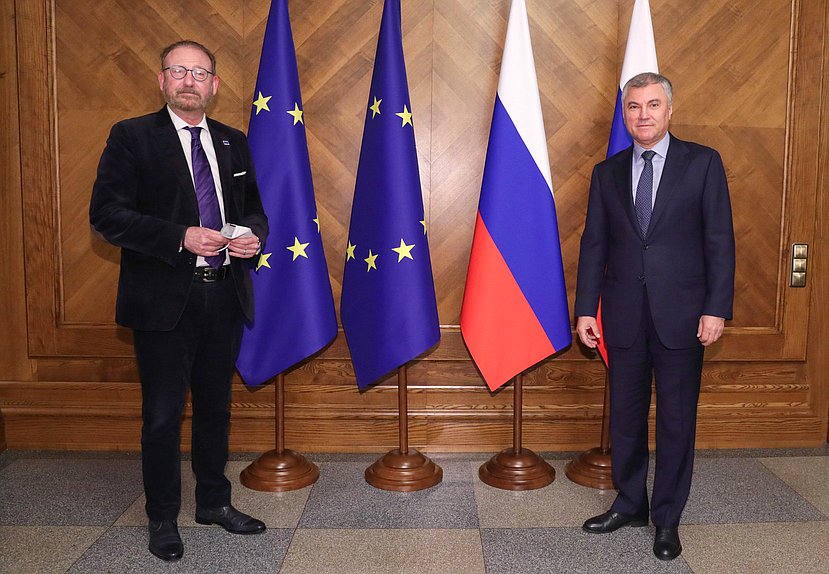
(686, 261)
(143, 200)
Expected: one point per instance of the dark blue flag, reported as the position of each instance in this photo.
(295, 314)
(389, 312)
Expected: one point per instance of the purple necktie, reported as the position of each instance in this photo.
(644, 193)
(209, 212)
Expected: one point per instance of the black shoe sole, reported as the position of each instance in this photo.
(631, 524)
(243, 532)
(667, 558)
(172, 558)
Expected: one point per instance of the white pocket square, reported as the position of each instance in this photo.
(241, 173)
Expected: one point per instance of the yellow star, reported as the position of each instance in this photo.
(317, 221)
(263, 261)
(375, 107)
(406, 115)
(297, 113)
(403, 251)
(349, 251)
(423, 223)
(298, 249)
(261, 103)
(371, 261)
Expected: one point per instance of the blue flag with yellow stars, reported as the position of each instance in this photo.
(388, 311)
(295, 314)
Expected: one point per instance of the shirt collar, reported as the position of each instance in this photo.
(180, 124)
(661, 148)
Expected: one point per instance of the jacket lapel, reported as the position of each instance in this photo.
(171, 150)
(676, 162)
(622, 178)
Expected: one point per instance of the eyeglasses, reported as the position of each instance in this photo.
(178, 72)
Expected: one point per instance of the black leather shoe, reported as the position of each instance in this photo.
(230, 519)
(610, 521)
(165, 541)
(666, 544)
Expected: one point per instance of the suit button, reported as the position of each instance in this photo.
(645, 246)
(641, 278)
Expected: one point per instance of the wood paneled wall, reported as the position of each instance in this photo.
(749, 80)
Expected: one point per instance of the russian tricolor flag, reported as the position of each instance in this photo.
(515, 311)
(640, 57)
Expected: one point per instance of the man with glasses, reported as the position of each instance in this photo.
(167, 183)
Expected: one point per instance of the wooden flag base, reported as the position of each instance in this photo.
(404, 472)
(281, 469)
(511, 470)
(592, 469)
(517, 468)
(279, 472)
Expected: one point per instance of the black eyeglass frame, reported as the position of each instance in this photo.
(192, 71)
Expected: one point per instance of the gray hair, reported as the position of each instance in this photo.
(189, 44)
(648, 79)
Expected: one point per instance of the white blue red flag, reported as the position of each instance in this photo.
(640, 57)
(515, 311)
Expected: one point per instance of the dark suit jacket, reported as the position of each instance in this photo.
(143, 201)
(686, 261)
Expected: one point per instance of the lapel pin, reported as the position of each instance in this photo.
(225, 142)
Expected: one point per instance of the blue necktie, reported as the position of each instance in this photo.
(205, 191)
(644, 193)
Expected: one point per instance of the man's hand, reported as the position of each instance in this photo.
(203, 241)
(710, 329)
(244, 247)
(588, 330)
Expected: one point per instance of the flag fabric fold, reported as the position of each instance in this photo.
(294, 314)
(388, 307)
(515, 310)
(640, 57)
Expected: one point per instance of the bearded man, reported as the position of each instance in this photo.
(167, 183)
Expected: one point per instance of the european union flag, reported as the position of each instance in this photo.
(295, 314)
(388, 311)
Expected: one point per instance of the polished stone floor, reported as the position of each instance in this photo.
(752, 511)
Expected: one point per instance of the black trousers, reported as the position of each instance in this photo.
(200, 352)
(677, 374)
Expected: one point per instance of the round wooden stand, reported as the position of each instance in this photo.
(592, 468)
(401, 469)
(279, 470)
(517, 468)
(524, 470)
(403, 472)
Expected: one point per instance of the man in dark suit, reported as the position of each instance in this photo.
(167, 183)
(658, 248)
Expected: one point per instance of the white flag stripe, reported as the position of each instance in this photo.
(640, 52)
(518, 88)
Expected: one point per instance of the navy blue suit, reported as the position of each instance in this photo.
(653, 291)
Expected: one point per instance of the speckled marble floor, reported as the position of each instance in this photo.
(754, 511)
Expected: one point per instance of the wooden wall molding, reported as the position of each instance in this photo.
(67, 374)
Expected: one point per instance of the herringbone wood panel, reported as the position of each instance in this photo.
(730, 62)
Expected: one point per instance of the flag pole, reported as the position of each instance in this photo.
(281, 469)
(399, 469)
(592, 468)
(517, 468)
